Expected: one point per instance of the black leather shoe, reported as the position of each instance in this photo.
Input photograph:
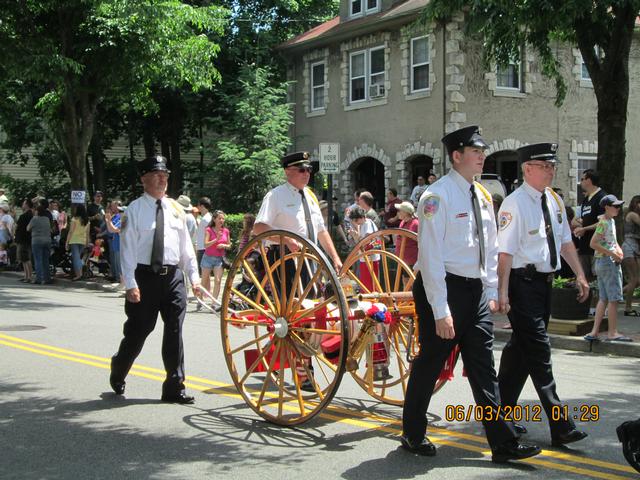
(512, 450)
(571, 436)
(425, 448)
(180, 398)
(307, 386)
(520, 429)
(118, 387)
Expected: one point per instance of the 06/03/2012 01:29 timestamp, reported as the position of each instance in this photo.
(520, 413)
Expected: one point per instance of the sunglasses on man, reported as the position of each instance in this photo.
(303, 169)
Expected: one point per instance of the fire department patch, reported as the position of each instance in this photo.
(504, 219)
(431, 205)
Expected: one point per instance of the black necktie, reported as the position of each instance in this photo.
(307, 217)
(478, 217)
(551, 241)
(157, 251)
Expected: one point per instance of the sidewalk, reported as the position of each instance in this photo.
(629, 326)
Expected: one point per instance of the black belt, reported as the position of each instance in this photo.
(164, 270)
(453, 276)
(530, 273)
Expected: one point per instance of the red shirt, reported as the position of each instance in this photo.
(410, 253)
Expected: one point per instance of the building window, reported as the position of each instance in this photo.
(420, 64)
(317, 86)
(367, 75)
(584, 72)
(510, 76)
(360, 7)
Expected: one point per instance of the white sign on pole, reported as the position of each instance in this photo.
(78, 196)
(329, 158)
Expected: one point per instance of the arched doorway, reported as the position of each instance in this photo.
(368, 173)
(419, 166)
(505, 164)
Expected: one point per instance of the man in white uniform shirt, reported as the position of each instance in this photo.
(455, 292)
(155, 248)
(533, 233)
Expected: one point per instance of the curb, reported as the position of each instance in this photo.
(576, 344)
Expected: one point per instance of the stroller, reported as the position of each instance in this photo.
(96, 261)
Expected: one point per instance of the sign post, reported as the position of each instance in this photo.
(329, 164)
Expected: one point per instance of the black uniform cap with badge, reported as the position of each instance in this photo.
(157, 163)
(300, 160)
(545, 152)
(470, 136)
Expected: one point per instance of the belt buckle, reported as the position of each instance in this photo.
(163, 271)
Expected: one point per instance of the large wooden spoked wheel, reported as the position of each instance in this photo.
(283, 328)
(392, 274)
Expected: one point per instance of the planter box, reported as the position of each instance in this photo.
(565, 306)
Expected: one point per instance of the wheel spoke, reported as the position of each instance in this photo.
(251, 342)
(305, 314)
(267, 377)
(296, 381)
(242, 321)
(251, 303)
(283, 275)
(269, 275)
(257, 283)
(294, 284)
(315, 330)
(353, 277)
(255, 363)
(372, 273)
(307, 289)
(281, 380)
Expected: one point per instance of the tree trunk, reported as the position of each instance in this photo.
(612, 127)
(97, 161)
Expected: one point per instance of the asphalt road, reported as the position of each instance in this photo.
(59, 419)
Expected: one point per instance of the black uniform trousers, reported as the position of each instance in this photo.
(164, 294)
(474, 334)
(528, 352)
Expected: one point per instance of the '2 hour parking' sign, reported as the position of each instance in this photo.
(329, 158)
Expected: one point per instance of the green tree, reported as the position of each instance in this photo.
(77, 53)
(248, 161)
(604, 26)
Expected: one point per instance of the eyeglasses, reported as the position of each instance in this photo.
(303, 169)
(544, 166)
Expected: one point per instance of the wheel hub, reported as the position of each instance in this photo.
(281, 327)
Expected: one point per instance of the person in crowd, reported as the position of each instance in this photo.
(40, 227)
(334, 226)
(417, 191)
(407, 249)
(585, 225)
(345, 220)
(3, 196)
(361, 226)
(366, 202)
(204, 207)
(455, 292)
(534, 232)
(217, 242)
(6, 224)
(23, 240)
(631, 251)
(248, 220)
(391, 218)
(78, 239)
(431, 179)
(155, 250)
(113, 221)
(95, 212)
(4, 256)
(608, 256)
(54, 207)
(192, 225)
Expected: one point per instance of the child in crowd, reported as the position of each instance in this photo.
(608, 256)
(4, 256)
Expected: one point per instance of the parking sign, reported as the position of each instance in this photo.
(329, 158)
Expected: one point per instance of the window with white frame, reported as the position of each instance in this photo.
(366, 75)
(510, 76)
(317, 86)
(361, 7)
(420, 64)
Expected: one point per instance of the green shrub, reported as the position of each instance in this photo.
(233, 221)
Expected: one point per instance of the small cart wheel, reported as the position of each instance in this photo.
(284, 328)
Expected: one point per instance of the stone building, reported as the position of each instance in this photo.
(387, 88)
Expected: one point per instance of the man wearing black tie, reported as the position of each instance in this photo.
(533, 233)
(155, 249)
(455, 293)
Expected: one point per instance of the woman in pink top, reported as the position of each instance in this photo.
(217, 241)
(408, 221)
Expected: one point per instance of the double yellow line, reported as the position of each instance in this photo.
(552, 459)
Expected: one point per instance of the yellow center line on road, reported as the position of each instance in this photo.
(364, 419)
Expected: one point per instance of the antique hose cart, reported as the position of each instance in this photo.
(292, 325)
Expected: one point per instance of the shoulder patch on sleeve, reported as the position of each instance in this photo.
(123, 222)
(430, 206)
(504, 219)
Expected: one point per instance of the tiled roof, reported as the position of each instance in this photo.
(335, 27)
